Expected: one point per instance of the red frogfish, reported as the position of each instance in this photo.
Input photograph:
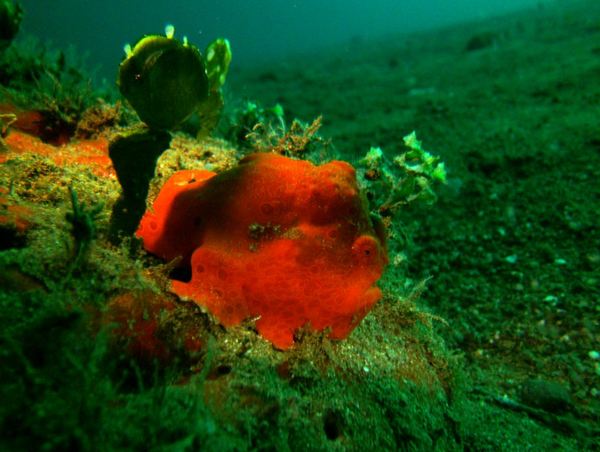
(279, 240)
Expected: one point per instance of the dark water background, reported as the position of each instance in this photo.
(259, 30)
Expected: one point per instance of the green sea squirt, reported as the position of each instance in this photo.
(163, 79)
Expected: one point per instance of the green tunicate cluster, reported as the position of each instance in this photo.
(407, 177)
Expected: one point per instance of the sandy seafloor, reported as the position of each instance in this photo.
(510, 254)
(513, 245)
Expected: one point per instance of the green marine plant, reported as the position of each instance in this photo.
(11, 15)
(52, 87)
(263, 129)
(253, 124)
(297, 141)
(83, 227)
(218, 59)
